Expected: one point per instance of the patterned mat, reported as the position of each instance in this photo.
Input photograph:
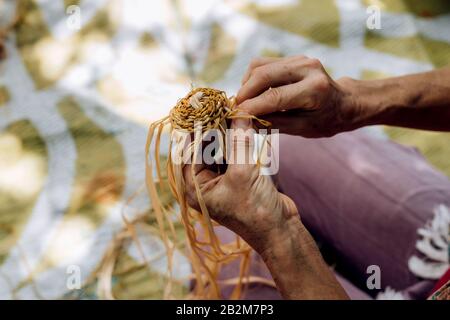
(75, 104)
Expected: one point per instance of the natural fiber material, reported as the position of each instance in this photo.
(202, 106)
(201, 110)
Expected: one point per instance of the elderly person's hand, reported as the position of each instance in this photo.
(241, 199)
(249, 204)
(298, 96)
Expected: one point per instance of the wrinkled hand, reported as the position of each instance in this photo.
(298, 96)
(241, 199)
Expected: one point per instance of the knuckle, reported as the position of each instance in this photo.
(253, 73)
(261, 73)
(260, 77)
(314, 63)
(273, 96)
(255, 62)
(321, 82)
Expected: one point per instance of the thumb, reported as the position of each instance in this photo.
(241, 140)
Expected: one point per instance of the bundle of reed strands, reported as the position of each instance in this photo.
(201, 110)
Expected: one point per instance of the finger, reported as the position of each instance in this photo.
(240, 162)
(265, 77)
(257, 63)
(266, 60)
(202, 175)
(273, 74)
(296, 95)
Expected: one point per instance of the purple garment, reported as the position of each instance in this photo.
(257, 291)
(364, 199)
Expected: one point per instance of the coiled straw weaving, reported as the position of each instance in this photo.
(201, 110)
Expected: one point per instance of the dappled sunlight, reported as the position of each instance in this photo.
(433, 145)
(380, 3)
(73, 241)
(53, 56)
(22, 173)
(49, 58)
(75, 105)
(142, 84)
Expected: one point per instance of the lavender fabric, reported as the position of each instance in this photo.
(363, 199)
(258, 291)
